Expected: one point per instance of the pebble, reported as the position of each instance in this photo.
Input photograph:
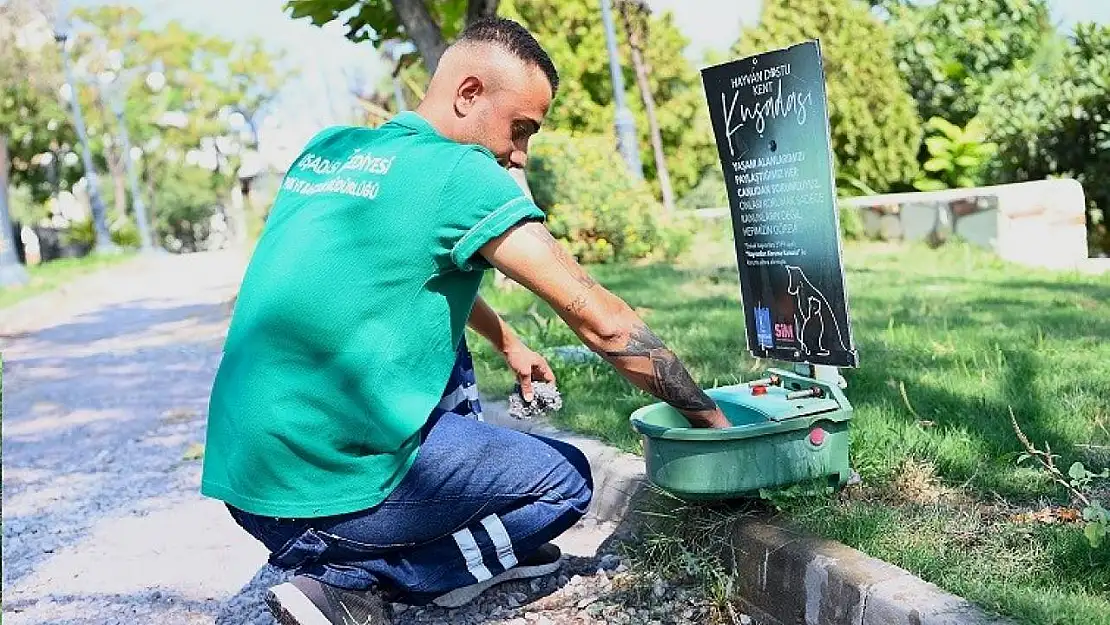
(610, 562)
(659, 589)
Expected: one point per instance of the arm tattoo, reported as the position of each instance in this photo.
(671, 382)
(577, 306)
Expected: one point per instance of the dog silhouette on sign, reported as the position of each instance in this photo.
(813, 307)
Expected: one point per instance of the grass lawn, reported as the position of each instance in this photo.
(950, 341)
(51, 275)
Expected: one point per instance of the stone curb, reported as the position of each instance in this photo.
(784, 575)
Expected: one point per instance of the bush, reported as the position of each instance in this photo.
(593, 205)
(184, 204)
(710, 192)
(121, 230)
(1049, 120)
(874, 125)
(851, 223)
(957, 156)
(951, 50)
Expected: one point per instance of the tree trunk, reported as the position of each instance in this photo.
(642, 71)
(423, 30)
(119, 186)
(11, 272)
(147, 177)
(477, 9)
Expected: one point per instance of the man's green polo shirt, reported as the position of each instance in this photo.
(349, 315)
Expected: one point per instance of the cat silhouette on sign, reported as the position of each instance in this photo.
(813, 328)
(816, 314)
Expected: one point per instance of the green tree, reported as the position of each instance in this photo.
(207, 79)
(187, 199)
(951, 50)
(428, 24)
(571, 32)
(32, 123)
(875, 129)
(33, 120)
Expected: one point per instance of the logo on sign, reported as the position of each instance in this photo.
(784, 331)
(763, 327)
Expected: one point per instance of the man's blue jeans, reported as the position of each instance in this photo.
(478, 499)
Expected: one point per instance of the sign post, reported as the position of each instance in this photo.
(770, 120)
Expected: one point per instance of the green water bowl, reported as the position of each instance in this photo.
(775, 441)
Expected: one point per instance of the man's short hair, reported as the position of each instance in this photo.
(515, 39)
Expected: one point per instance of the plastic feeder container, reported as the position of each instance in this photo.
(776, 439)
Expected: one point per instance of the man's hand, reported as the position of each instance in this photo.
(528, 366)
(710, 419)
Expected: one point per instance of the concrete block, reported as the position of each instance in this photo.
(1040, 223)
(908, 600)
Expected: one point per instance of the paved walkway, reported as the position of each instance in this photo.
(107, 383)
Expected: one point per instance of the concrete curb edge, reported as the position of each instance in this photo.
(783, 574)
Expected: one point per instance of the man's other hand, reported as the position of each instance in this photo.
(527, 365)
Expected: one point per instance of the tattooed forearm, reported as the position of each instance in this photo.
(670, 380)
(641, 342)
(675, 385)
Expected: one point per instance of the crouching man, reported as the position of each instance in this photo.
(344, 430)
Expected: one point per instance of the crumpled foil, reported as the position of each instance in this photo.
(546, 399)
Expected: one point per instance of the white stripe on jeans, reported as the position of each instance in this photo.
(473, 556)
(501, 541)
(456, 397)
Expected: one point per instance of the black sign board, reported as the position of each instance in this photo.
(770, 118)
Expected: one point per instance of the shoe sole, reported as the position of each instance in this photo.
(290, 607)
(466, 594)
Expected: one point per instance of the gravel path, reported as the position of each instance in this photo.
(107, 383)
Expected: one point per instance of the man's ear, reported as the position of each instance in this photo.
(465, 98)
